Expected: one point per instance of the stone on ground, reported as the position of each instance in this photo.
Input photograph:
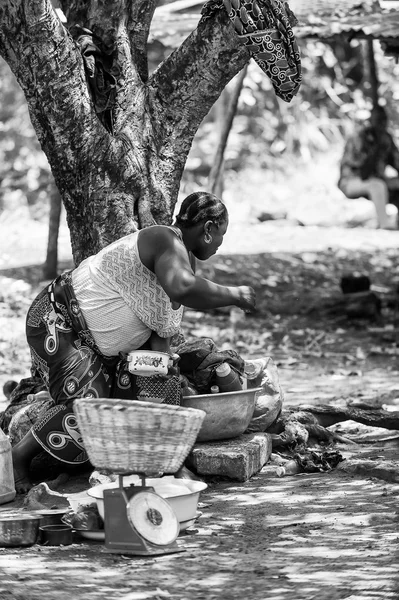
(238, 458)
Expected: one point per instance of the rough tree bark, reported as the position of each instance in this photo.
(51, 263)
(111, 184)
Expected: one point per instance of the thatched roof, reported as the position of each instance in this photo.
(318, 19)
(362, 19)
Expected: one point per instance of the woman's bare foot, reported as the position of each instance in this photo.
(22, 454)
(21, 479)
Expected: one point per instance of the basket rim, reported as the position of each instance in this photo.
(152, 406)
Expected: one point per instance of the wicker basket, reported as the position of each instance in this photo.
(129, 436)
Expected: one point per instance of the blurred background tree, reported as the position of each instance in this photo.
(25, 178)
(334, 97)
(267, 135)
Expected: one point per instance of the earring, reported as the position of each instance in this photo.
(207, 238)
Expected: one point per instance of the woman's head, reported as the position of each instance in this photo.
(200, 207)
(203, 219)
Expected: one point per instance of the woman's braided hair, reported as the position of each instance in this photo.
(200, 207)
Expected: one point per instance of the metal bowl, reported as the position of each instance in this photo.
(228, 414)
(19, 530)
(55, 535)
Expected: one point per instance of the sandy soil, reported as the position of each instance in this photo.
(330, 536)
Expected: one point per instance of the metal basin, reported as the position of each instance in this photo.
(19, 530)
(227, 414)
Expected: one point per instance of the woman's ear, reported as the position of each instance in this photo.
(207, 226)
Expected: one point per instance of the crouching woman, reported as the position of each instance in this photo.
(130, 295)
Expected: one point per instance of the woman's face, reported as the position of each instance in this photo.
(203, 250)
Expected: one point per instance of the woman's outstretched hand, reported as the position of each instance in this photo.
(247, 298)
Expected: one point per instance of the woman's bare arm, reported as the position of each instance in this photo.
(173, 269)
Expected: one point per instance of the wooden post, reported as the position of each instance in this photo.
(373, 73)
(216, 174)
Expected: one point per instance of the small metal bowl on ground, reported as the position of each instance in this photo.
(51, 516)
(55, 535)
(228, 414)
(19, 529)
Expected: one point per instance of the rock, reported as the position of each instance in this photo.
(238, 458)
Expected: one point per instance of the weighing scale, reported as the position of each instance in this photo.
(138, 521)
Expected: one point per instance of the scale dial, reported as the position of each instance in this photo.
(153, 518)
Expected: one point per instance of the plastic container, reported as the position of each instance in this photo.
(7, 484)
(227, 379)
(289, 468)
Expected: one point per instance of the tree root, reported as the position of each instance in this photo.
(294, 427)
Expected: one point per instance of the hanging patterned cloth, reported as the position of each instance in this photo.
(264, 27)
(101, 70)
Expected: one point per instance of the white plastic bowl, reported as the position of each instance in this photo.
(184, 501)
(79, 500)
(148, 362)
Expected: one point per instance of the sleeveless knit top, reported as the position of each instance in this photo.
(121, 299)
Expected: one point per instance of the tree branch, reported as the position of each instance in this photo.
(138, 27)
(190, 80)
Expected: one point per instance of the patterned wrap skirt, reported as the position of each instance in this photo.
(65, 356)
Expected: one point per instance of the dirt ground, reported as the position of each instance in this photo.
(330, 536)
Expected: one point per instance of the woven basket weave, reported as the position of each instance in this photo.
(129, 436)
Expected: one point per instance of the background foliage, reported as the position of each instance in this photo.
(269, 138)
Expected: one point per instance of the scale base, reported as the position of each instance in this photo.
(149, 551)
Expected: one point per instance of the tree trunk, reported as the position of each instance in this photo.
(372, 73)
(113, 181)
(51, 264)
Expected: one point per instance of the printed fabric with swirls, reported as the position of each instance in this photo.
(264, 27)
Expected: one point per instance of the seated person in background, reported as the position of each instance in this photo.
(367, 154)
